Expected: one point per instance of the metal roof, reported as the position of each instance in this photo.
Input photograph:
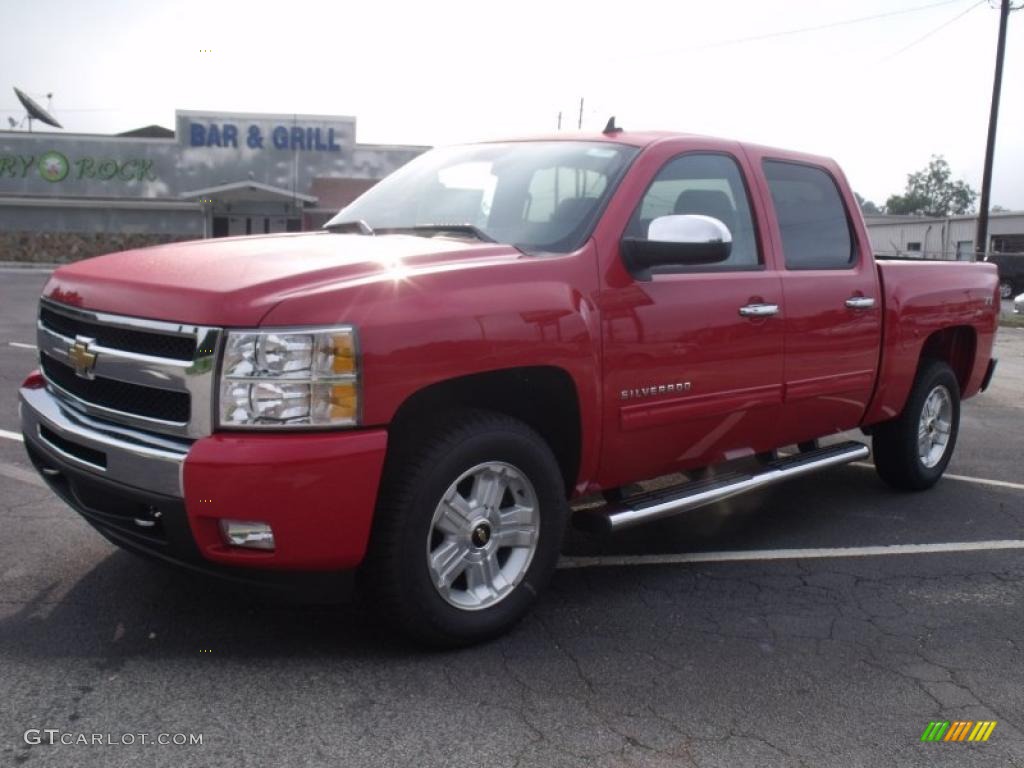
(248, 190)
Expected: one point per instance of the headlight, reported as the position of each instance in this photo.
(292, 378)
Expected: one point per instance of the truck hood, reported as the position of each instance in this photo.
(236, 281)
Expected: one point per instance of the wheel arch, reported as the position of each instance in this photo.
(956, 346)
(544, 397)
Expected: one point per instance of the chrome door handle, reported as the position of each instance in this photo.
(759, 310)
(860, 302)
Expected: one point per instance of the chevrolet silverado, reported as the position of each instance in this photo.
(415, 395)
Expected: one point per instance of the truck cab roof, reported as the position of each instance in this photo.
(644, 139)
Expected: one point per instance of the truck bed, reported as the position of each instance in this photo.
(966, 293)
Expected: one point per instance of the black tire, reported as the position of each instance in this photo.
(1006, 289)
(895, 443)
(420, 470)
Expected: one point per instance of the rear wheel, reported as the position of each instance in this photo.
(468, 530)
(1005, 289)
(911, 451)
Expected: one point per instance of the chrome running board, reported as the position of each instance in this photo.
(656, 505)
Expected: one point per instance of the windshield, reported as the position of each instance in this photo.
(538, 196)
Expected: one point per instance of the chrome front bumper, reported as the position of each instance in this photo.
(119, 454)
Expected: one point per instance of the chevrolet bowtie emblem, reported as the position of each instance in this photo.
(81, 359)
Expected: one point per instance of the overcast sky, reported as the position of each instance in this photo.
(443, 72)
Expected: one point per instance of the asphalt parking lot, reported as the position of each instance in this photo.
(650, 649)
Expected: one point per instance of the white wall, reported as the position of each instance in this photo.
(938, 237)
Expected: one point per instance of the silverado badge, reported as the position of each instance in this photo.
(81, 359)
(653, 390)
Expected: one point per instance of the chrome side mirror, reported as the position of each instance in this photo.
(679, 240)
(691, 229)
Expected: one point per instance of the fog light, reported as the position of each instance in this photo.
(245, 533)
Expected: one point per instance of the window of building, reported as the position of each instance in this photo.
(1008, 244)
(705, 184)
(812, 218)
(914, 247)
(964, 250)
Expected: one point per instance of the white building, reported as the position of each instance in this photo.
(950, 237)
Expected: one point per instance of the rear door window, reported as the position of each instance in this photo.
(812, 218)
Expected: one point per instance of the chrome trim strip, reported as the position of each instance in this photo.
(111, 363)
(121, 321)
(112, 413)
(290, 378)
(134, 458)
(197, 377)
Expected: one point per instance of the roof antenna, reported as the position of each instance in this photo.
(611, 127)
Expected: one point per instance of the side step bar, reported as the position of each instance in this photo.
(656, 505)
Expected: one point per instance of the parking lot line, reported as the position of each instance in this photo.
(984, 481)
(788, 554)
(20, 345)
(21, 475)
(11, 435)
(960, 478)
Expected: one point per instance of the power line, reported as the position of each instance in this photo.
(69, 109)
(938, 29)
(830, 25)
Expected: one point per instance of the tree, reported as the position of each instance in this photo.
(867, 207)
(930, 192)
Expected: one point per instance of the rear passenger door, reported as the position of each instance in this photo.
(832, 301)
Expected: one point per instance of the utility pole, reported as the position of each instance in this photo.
(579, 125)
(559, 121)
(981, 239)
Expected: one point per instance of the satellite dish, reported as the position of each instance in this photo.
(35, 112)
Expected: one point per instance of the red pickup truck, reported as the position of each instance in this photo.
(415, 395)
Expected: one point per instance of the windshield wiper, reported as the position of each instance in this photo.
(457, 229)
(356, 225)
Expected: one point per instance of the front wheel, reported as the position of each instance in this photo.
(469, 528)
(911, 451)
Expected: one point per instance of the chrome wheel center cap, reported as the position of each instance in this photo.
(481, 535)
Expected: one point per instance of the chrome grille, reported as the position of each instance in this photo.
(149, 374)
(150, 402)
(129, 340)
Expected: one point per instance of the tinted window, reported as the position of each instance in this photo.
(540, 196)
(710, 185)
(812, 219)
(550, 188)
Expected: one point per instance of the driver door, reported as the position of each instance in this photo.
(691, 376)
